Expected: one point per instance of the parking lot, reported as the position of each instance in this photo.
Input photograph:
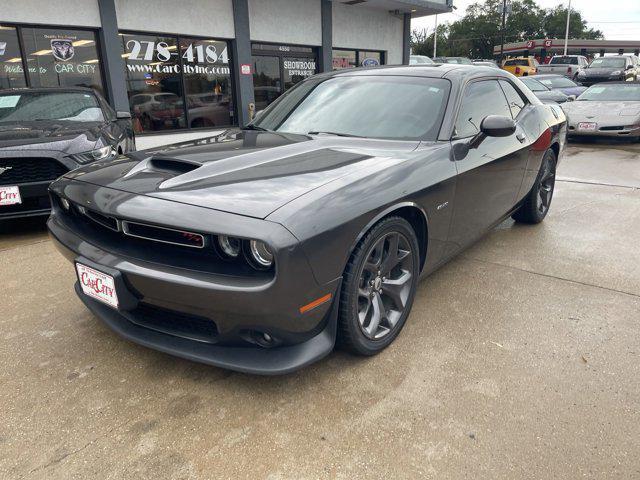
(520, 360)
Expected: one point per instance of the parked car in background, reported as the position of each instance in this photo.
(420, 60)
(156, 111)
(606, 109)
(543, 92)
(45, 133)
(566, 65)
(458, 60)
(486, 63)
(521, 66)
(258, 249)
(607, 69)
(561, 83)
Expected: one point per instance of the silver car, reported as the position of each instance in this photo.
(609, 109)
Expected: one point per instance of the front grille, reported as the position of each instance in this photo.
(16, 171)
(611, 129)
(175, 323)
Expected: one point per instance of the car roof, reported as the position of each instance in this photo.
(436, 70)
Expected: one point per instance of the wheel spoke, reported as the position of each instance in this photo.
(396, 289)
(391, 258)
(377, 316)
(363, 312)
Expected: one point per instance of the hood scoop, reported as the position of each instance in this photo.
(164, 165)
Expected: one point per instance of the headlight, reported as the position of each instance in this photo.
(617, 72)
(102, 153)
(260, 254)
(230, 245)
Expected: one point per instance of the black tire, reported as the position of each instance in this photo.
(538, 201)
(388, 289)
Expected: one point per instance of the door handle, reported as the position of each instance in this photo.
(521, 137)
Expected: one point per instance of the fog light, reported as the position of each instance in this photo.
(229, 245)
(261, 253)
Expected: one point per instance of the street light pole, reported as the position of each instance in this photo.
(435, 37)
(504, 17)
(566, 35)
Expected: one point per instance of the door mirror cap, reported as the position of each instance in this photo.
(122, 115)
(493, 126)
(498, 126)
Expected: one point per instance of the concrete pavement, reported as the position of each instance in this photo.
(520, 360)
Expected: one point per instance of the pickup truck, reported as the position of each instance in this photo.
(567, 65)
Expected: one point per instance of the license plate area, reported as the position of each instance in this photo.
(97, 285)
(587, 126)
(10, 196)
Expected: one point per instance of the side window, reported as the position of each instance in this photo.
(480, 99)
(514, 98)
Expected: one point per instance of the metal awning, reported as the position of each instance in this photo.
(417, 8)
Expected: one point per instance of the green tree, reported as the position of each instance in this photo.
(479, 30)
(555, 23)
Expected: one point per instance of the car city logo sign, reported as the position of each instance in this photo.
(5, 169)
(62, 49)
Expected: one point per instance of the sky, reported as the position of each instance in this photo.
(617, 19)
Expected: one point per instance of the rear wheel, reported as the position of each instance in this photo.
(378, 287)
(537, 203)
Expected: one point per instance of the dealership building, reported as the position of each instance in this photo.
(198, 64)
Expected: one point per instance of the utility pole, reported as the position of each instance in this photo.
(435, 37)
(566, 35)
(504, 19)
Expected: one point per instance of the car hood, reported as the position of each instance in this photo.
(244, 172)
(69, 137)
(599, 72)
(551, 96)
(603, 111)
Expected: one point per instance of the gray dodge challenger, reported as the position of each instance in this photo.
(259, 249)
(609, 109)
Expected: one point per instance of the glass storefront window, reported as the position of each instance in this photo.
(277, 68)
(297, 69)
(369, 59)
(343, 58)
(266, 80)
(154, 82)
(207, 82)
(11, 70)
(62, 57)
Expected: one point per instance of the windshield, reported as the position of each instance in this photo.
(608, 62)
(521, 62)
(557, 82)
(534, 85)
(386, 107)
(564, 61)
(61, 106)
(614, 92)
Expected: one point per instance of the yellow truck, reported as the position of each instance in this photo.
(521, 66)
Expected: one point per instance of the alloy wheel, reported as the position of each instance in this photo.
(545, 187)
(384, 285)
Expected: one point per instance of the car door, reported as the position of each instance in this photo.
(489, 177)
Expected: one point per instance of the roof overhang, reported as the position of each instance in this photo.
(417, 8)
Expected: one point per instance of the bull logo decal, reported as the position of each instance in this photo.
(62, 49)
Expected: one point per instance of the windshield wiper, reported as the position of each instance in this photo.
(337, 134)
(255, 127)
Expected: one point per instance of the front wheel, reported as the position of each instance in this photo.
(378, 288)
(538, 201)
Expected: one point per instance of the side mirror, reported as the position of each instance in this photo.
(629, 67)
(122, 115)
(493, 126)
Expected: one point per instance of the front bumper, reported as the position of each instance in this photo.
(620, 131)
(238, 309)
